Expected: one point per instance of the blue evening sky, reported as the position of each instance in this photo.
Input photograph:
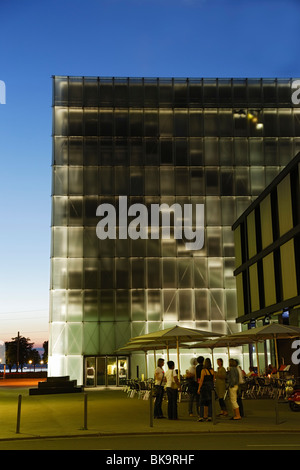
(161, 38)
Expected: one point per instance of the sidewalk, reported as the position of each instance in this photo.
(111, 412)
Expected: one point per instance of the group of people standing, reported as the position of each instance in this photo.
(202, 380)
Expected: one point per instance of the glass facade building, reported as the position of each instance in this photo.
(217, 142)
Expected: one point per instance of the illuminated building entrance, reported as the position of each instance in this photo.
(106, 371)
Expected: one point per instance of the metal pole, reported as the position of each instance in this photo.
(213, 406)
(276, 408)
(212, 358)
(146, 366)
(85, 412)
(257, 358)
(151, 406)
(178, 358)
(276, 356)
(18, 351)
(19, 414)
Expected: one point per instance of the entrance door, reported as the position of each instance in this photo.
(111, 371)
(122, 370)
(90, 372)
(107, 371)
(101, 371)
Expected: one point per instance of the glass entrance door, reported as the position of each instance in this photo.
(101, 371)
(122, 370)
(111, 371)
(106, 371)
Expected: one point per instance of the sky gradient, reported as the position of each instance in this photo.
(139, 38)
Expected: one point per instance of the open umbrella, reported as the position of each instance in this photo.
(221, 342)
(271, 331)
(145, 346)
(178, 334)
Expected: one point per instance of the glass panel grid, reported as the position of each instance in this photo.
(216, 142)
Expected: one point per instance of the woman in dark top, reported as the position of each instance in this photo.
(206, 385)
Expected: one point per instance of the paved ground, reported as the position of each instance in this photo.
(112, 413)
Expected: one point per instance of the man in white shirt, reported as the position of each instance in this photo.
(173, 386)
(159, 376)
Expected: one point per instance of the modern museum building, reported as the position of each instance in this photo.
(149, 176)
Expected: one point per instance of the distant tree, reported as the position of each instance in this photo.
(34, 357)
(45, 353)
(18, 352)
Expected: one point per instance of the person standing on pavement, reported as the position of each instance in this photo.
(205, 389)
(220, 386)
(160, 380)
(173, 386)
(199, 368)
(192, 385)
(240, 389)
(233, 384)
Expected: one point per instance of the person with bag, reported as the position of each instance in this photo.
(159, 376)
(173, 386)
(206, 386)
(240, 389)
(220, 386)
(233, 384)
(199, 368)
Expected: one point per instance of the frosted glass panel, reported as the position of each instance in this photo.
(75, 242)
(215, 272)
(61, 121)
(60, 181)
(170, 304)
(185, 305)
(165, 122)
(59, 242)
(154, 308)
(59, 274)
(58, 299)
(258, 183)
(75, 299)
(90, 305)
(169, 273)
(201, 304)
(138, 305)
(185, 274)
(200, 272)
(74, 333)
(75, 273)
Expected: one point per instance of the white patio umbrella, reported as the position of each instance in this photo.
(273, 331)
(222, 342)
(178, 334)
(145, 345)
